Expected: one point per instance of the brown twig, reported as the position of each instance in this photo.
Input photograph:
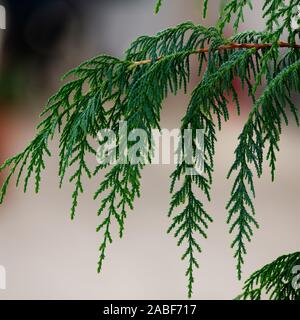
(231, 46)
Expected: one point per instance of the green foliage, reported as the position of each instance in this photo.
(234, 8)
(157, 6)
(277, 280)
(105, 91)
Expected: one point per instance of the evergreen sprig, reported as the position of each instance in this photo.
(278, 280)
(105, 92)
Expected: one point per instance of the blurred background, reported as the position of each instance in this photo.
(47, 256)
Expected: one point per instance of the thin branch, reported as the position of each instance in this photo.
(231, 46)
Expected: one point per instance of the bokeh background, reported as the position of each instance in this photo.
(47, 256)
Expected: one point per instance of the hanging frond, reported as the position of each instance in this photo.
(259, 130)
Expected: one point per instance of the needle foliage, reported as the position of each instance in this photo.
(105, 91)
(278, 280)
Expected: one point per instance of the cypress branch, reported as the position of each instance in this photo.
(231, 46)
(277, 280)
(106, 91)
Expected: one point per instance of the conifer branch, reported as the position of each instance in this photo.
(106, 91)
(231, 46)
(277, 280)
